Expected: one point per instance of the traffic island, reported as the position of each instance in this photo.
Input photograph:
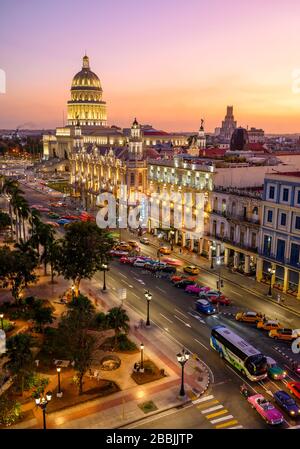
(148, 407)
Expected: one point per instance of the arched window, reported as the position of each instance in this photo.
(233, 208)
(255, 210)
(140, 179)
(132, 179)
(215, 206)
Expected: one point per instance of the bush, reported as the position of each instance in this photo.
(10, 410)
(8, 325)
(124, 344)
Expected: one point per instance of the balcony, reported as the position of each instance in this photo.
(226, 239)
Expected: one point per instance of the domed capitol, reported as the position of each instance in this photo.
(86, 107)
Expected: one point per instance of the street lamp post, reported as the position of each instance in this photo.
(172, 240)
(142, 356)
(104, 269)
(59, 393)
(73, 291)
(271, 272)
(218, 262)
(42, 402)
(148, 297)
(212, 256)
(1, 318)
(182, 358)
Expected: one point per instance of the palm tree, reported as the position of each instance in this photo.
(45, 236)
(20, 358)
(118, 320)
(8, 188)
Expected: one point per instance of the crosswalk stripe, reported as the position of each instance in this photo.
(211, 409)
(205, 398)
(224, 418)
(226, 424)
(236, 427)
(213, 415)
(208, 403)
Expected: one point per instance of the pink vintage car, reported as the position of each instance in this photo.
(196, 289)
(266, 409)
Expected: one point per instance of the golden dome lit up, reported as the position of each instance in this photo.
(86, 106)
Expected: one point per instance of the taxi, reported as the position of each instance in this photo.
(191, 269)
(248, 317)
(165, 250)
(268, 325)
(283, 334)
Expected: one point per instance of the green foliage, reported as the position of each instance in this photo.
(52, 346)
(83, 250)
(38, 383)
(42, 316)
(100, 321)
(117, 319)
(8, 325)
(124, 344)
(20, 358)
(4, 220)
(10, 410)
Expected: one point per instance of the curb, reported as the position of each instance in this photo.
(158, 412)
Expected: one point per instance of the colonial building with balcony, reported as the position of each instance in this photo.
(234, 220)
(279, 249)
(180, 186)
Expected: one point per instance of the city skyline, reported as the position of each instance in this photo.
(216, 57)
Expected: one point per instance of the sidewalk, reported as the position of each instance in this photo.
(246, 282)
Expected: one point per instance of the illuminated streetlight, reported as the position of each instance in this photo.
(1, 318)
(182, 358)
(148, 297)
(104, 269)
(59, 393)
(42, 402)
(142, 356)
(271, 272)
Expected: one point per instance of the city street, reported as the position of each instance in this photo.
(173, 311)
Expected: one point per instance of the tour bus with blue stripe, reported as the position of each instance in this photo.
(240, 354)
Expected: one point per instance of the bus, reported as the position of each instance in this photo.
(240, 354)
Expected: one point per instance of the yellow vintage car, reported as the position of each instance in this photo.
(268, 325)
(191, 269)
(165, 250)
(248, 317)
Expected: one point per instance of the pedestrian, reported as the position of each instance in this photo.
(180, 250)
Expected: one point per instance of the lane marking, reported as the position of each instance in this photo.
(121, 274)
(226, 424)
(131, 286)
(158, 288)
(135, 295)
(186, 324)
(211, 409)
(197, 317)
(207, 349)
(213, 415)
(238, 427)
(206, 398)
(166, 318)
(224, 418)
(183, 314)
(236, 293)
(209, 403)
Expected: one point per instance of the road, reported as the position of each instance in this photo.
(172, 310)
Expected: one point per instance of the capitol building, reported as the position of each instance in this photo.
(87, 115)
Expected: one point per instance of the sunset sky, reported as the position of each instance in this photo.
(167, 62)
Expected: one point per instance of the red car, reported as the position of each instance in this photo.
(214, 297)
(127, 260)
(294, 388)
(178, 278)
(70, 217)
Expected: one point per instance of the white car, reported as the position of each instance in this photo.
(139, 263)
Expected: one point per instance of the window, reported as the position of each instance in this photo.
(269, 216)
(140, 179)
(283, 219)
(271, 192)
(132, 180)
(298, 197)
(267, 245)
(280, 250)
(297, 223)
(285, 194)
(294, 258)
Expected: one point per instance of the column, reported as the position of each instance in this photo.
(298, 294)
(210, 252)
(218, 251)
(236, 259)
(259, 269)
(226, 256)
(192, 243)
(176, 237)
(200, 246)
(149, 225)
(247, 264)
(285, 279)
(183, 239)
